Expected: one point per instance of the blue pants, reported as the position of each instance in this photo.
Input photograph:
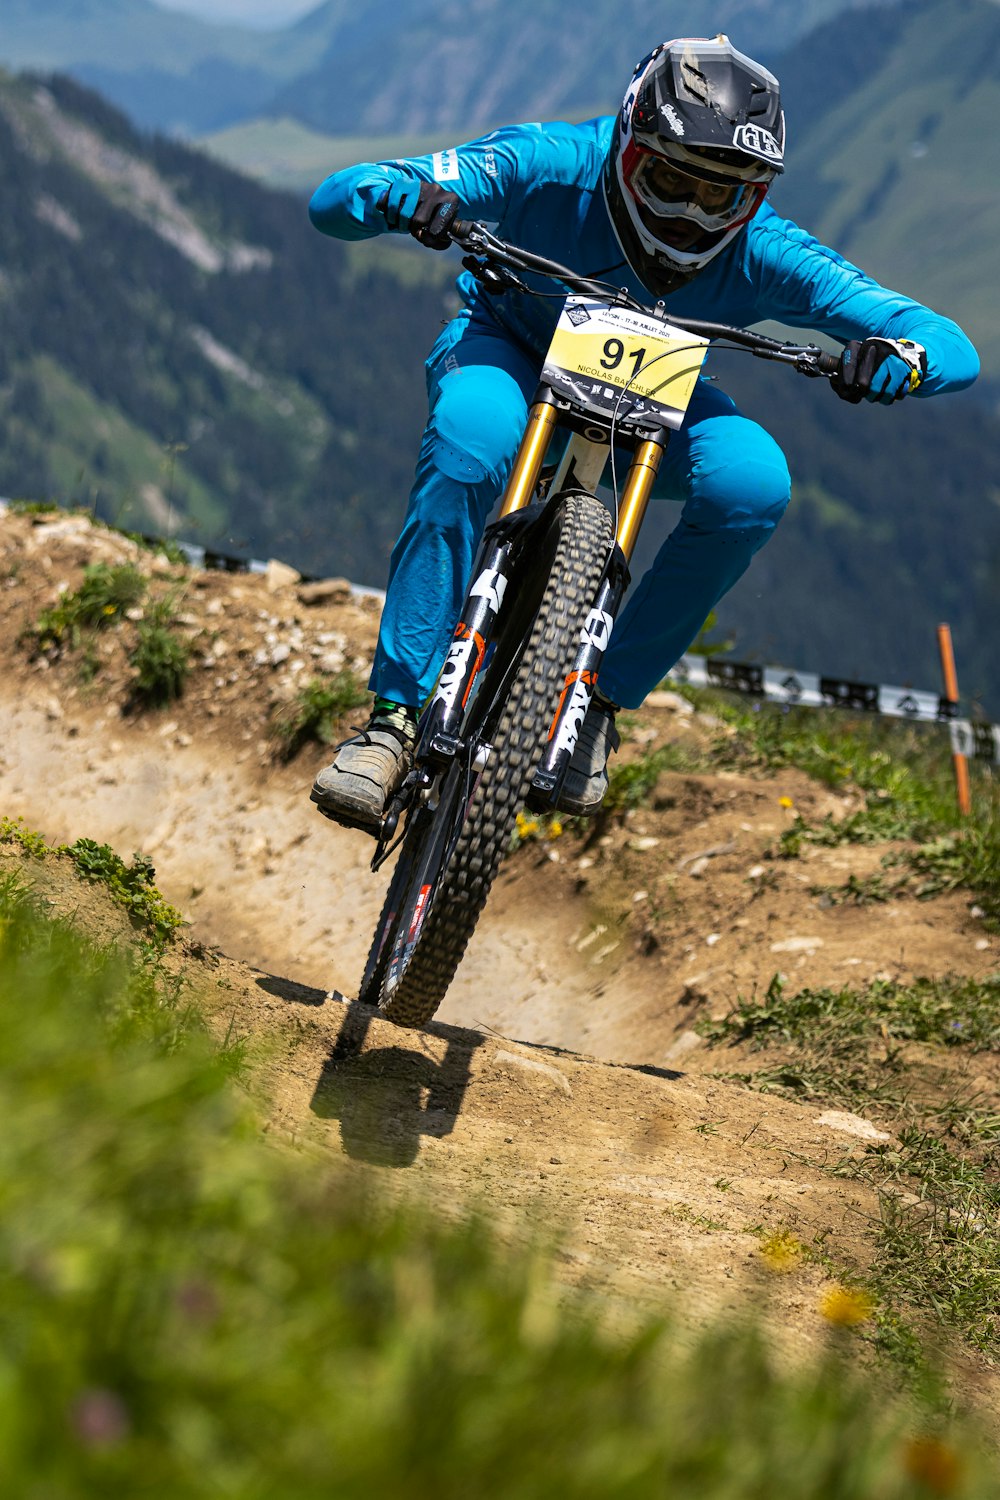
(729, 474)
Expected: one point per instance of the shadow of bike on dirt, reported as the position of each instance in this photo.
(388, 1098)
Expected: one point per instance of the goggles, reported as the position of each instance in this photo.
(669, 193)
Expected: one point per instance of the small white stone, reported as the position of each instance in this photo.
(279, 576)
(837, 1119)
(712, 939)
(755, 872)
(688, 1041)
(531, 1072)
(797, 945)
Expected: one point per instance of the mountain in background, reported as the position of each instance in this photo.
(168, 70)
(416, 66)
(182, 351)
(891, 124)
(889, 113)
(421, 66)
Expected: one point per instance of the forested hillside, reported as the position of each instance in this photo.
(182, 351)
(891, 158)
(181, 346)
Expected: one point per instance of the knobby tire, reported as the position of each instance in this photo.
(462, 861)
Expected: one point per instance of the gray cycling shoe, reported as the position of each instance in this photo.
(366, 770)
(587, 776)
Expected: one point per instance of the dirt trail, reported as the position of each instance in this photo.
(563, 1084)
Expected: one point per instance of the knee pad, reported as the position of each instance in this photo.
(457, 462)
(476, 425)
(746, 489)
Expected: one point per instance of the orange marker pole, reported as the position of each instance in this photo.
(951, 693)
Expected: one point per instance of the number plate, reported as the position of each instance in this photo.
(622, 364)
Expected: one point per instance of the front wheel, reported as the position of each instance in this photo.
(454, 844)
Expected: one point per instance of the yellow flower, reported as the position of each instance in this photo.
(933, 1464)
(846, 1306)
(781, 1250)
(109, 609)
(555, 829)
(785, 802)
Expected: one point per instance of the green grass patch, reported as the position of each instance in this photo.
(160, 658)
(633, 784)
(107, 591)
(940, 1252)
(131, 886)
(312, 715)
(950, 1012)
(904, 769)
(187, 1310)
(34, 507)
(14, 831)
(111, 593)
(938, 1233)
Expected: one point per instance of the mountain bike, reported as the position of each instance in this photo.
(500, 728)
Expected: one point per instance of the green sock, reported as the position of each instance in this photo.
(400, 714)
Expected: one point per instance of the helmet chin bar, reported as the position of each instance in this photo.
(686, 261)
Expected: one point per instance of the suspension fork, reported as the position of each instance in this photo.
(439, 739)
(595, 636)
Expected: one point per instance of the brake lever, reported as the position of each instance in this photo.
(814, 362)
(492, 277)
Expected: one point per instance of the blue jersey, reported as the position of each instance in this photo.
(542, 187)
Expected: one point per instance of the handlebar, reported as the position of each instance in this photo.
(493, 262)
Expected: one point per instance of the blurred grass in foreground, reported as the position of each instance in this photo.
(188, 1311)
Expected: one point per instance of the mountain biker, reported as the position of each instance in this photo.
(667, 198)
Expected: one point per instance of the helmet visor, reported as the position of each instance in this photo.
(669, 193)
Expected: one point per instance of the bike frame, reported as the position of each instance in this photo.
(588, 449)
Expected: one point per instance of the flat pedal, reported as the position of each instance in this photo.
(346, 821)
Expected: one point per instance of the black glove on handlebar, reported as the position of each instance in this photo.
(424, 208)
(877, 369)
